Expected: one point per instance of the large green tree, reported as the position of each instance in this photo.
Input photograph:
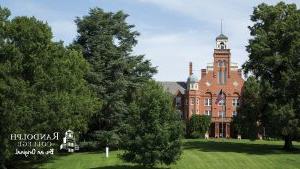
(249, 118)
(107, 40)
(275, 60)
(154, 128)
(42, 85)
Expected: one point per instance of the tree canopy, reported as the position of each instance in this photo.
(274, 58)
(42, 85)
(154, 130)
(106, 41)
(249, 114)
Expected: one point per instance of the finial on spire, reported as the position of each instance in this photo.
(222, 36)
(221, 26)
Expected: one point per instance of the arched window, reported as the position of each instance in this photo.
(235, 100)
(220, 77)
(208, 99)
(192, 101)
(222, 45)
(222, 74)
(208, 103)
(220, 63)
(225, 76)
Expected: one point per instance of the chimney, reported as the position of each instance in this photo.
(203, 72)
(191, 68)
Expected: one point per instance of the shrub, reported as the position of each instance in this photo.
(198, 125)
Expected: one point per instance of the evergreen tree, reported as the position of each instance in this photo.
(275, 59)
(106, 40)
(249, 114)
(154, 128)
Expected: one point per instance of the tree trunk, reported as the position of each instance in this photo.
(288, 145)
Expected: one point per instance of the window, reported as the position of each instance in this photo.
(222, 102)
(235, 102)
(221, 114)
(207, 112)
(234, 113)
(220, 77)
(220, 63)
(207, 102)
(197, 101)
(197, 111)
(196, 86)
(193, 111)
(191, 86)
(192, 101)
(178, 101)
(222, 45)
(225, 76)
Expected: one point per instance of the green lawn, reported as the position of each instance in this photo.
(212, 154)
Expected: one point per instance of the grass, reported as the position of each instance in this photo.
(197, 154)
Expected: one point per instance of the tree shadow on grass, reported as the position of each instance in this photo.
(237, 147)
(127, 167)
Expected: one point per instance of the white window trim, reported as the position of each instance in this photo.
(220, 114)
(235, 102)
(192, 100)
(209, 101)
(207, 112)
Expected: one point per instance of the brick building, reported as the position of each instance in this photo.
(198, 94)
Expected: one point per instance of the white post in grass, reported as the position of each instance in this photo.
(106, 151)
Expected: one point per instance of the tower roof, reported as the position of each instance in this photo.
(192, 79)
(221, 36)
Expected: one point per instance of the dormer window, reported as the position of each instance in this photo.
(194, 86)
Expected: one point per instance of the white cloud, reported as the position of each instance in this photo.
(62, 28)
(170, 49)
(172, 52)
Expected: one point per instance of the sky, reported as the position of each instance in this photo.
(173, 32)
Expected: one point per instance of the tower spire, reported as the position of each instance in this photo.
(221, 26)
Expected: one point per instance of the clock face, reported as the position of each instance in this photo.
(208, 83)
(235, 83)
